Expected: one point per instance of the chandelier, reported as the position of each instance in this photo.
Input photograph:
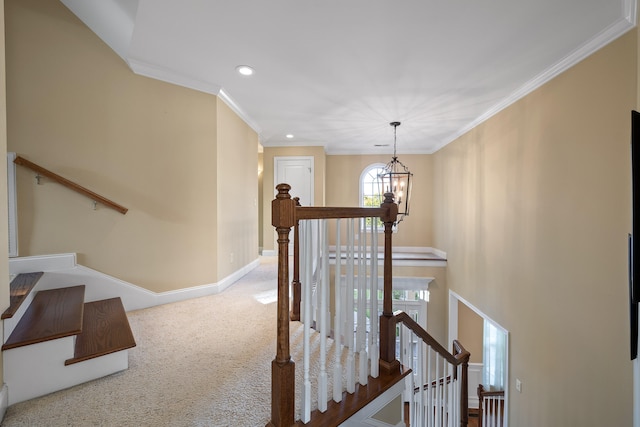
(396, 178)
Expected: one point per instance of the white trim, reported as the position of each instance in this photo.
(61, 270)
(474, 371)
(240, 112)
(12, 208)
(38, 369)
(42, 263)
(400, 283)
(170, 76)
(364, 172)
(363, 416)
(109, 20)
(269, 252)
(438, 252)
(204, 290)
(606, 36)
(166, 75)
(409, 262)
(4, 400)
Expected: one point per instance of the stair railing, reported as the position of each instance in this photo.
(69, 184)
(285, 215)
(361, 334)
(490, 407)
(437, 390)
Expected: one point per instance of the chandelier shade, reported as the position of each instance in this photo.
(397, 179)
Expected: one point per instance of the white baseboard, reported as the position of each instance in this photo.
(61, 270)
(4, 401)
(42, 263)
(204, 290)
(269, 252)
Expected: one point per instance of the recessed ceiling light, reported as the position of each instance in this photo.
(289, 136)
(245, 70)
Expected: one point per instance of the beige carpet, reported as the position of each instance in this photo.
(202, 362)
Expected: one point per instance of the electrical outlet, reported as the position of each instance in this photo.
(231, 258)
(518, 385)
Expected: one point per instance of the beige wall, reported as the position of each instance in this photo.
(75, 108)
(269, 189)
(533, 209)
(470, 332)
(237, 171)
(343, 189)
(4, 252)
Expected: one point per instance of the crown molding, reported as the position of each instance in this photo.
(625, 23)
(159, 73)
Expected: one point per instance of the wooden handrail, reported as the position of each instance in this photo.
(460, 357)
(328, 212)
(70, 184)
(402, 317)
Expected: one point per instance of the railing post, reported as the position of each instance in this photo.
(296, 287)
(388, 361)
(480, 404)
(282, 367)
(464, 394)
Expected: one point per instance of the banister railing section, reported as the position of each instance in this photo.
(70, 184)
(350, 332)
(490, 407)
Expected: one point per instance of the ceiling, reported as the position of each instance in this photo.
(334, 73)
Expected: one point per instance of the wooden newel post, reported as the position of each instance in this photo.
(388, 361)
(282, 367)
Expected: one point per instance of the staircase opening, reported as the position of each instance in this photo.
(493, 372)
(357, 352)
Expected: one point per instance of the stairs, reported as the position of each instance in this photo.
(57, 340)
(357, 409)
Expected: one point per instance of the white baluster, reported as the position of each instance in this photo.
(454, 399)
(438, 399)
(415, 393)
(323, 293)
(351, 364)
(430, 412)
(421, 382)
(374, 352)
(313, 248)
(362, 306)
(337, 331)
(307, 255)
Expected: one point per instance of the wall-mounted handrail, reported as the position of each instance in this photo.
(70, 184)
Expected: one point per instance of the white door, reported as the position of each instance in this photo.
(298, 173)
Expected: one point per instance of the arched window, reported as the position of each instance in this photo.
(370, 195)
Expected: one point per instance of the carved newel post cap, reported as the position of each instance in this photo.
(283, 208)
(388, 198)
(283, 191)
